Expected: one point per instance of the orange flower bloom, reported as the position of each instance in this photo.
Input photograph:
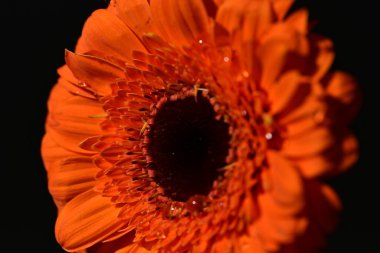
(198, 126)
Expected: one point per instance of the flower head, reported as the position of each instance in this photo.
(198, 126)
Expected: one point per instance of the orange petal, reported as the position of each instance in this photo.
(324, 57)
(309, 108)
(249, 244)
(53, 153)
(135, 248)
(72, 177)
(285, 183)
(71, 84)
(246, 21)
(299, 21)
(180, 22)
(311, 143)
(336, 160)
(114, 245)
(69, 123)
(251, 18)
(136, 15)
(343, 89)
(104, 32)
(282, 93)
(299, 127)
(58, 94)
(85, 221)
(272, 56)
(94, 71)
(281, 7)
(280, 205)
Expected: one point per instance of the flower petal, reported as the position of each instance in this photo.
(280, 205)
(281, 7)
(114, 245)
(94, 71)
(299, 21)
(333, 161)
(311, 143)
(104, 32)
(246, 21)
(69, 123)
(180, 22)
(53, 153)
(135, 248)
(136, 15)
(72, 177)
(85, 221)
(251, 18)
(284, 92)
(285, 183)
(343, 89)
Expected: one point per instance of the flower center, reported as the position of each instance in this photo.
(187, 146)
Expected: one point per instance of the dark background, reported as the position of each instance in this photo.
(34, 35)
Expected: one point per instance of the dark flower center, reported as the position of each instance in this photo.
(187, 146)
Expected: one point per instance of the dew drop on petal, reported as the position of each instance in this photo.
(245, 74)
(226, 59)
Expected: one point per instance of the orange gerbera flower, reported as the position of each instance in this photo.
(197, 126)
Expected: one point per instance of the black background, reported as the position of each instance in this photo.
(34, 35)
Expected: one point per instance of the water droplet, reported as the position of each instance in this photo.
(268, 136)
(245, 74)
(200, 42)
(196, 204)
(226, 59)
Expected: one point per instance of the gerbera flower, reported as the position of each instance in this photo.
(198, 126)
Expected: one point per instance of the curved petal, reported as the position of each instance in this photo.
(114, 245)
(94, 71)
(311, 143)
(135, 248)
(136, 15)
(342, 88)
(281, 204)
(72, 177)
(85, 221)
(285, 185)
(69, 123)
(299, 21)
(333, 161)
(281, 7)
(180, 22)
(246, 21)
(104, 32)
(250, 17)
(284, 92)
(53, 153)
